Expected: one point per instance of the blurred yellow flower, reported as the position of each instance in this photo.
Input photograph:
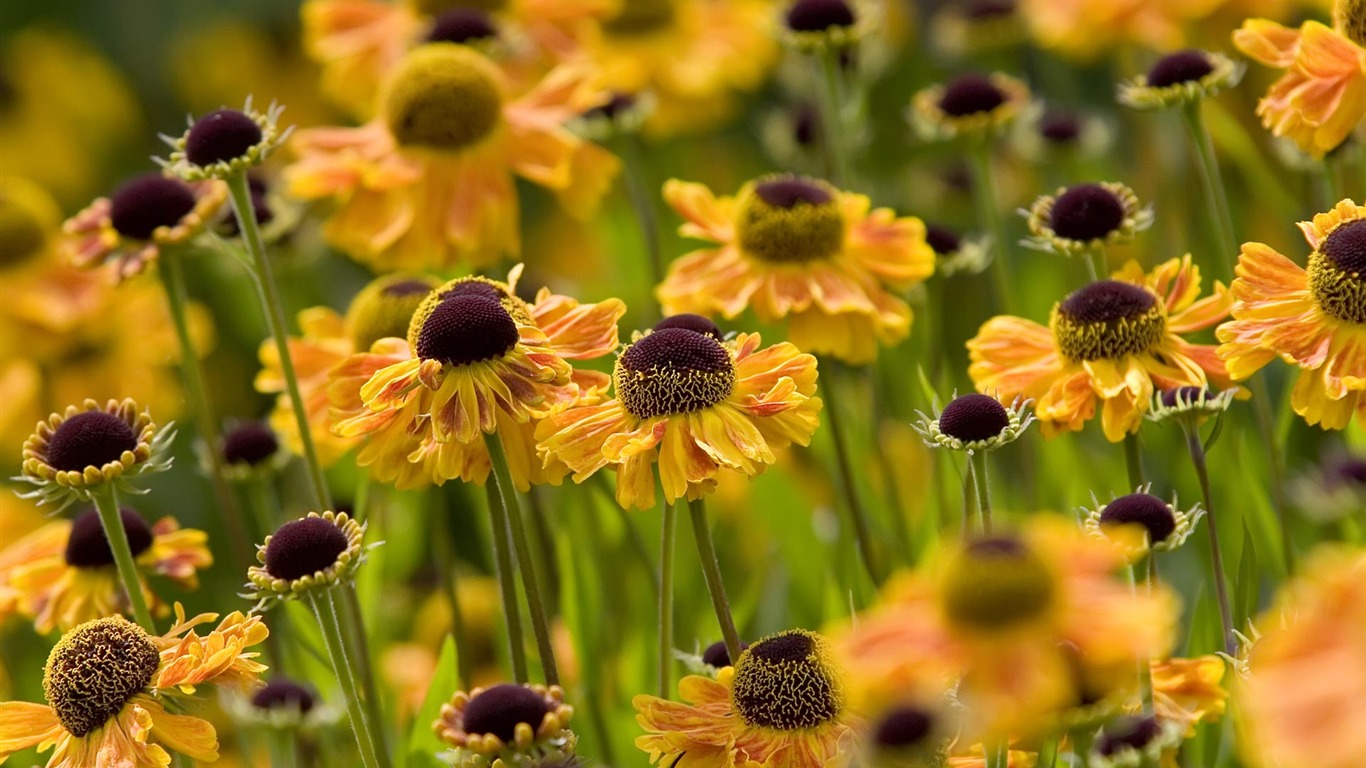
(1089, 29)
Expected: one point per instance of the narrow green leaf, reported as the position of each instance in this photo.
(423, 745)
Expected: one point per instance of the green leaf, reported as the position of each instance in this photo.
(423, 745)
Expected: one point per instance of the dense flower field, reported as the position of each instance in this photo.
(683, 383)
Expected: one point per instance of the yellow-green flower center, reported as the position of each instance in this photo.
(674, 370)
(788, 682)
(444, 96)
(95, 669)
(1337, 273)
(1349, 18)
(1107, 320)
(385, 307)
(790, 220)
(638, 17)
(996, 583)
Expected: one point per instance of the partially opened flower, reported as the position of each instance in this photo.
(1140, 523)
(955, 254)
(798, 250)
(303, 556)
(1083, 219)
(1190, 406)
(907, 735)
(225, 143)
(1334, 490)
(977, 27)
(1189, 691)
(251, 448)
(1180, 78)
(282, 704)
(822, 25)
(1314, 319)
(1112, 343)
(972, 106)
(63, 574)
(975, 422)
(506, 725)
(1135, 741)
(783, 703)
(692, 404)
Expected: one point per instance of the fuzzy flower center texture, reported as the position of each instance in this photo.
(673, 371)
(1337, 273)
(787, 682)
(1107, 320)
(220, 137)
(638, 17)
(499, 710)
(691, 322)
(1349, 18)
(1141, 509)
(1086, 212)
(790, 220)
(147, 202)
(385, 309)
(95, 669)
(303, 547)
(974, 417)
(466, 326)
(89, 439)
(87, 546)
(443, 97)
(996, 583)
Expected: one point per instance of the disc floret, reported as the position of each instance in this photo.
(316, 552)
(225, 143)
(444, 97)
(973, 106)
(1181, 78)
(1337, 273)
(790, 220)
(1079, 220)
(673, 371)
(97, 668)
(385, 307)
(1140, 522)
(787, 681)
(818, 25)
(975, 422)
(995, 584)
(1108, 320)
(506, 726)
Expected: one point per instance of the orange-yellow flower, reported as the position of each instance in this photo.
(1087, 29)
(430, 182)
(1314, 319)
(1189, 691)
(1113, 342)
(799, 250)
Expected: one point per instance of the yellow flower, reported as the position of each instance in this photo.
(1303, 700)
(971, 106)
(314, 552)
(1189, 691)
(1314, 319)
(430, 183)
(1321, 98)
(29, 218)
(695, 405)
(1088, 29)
(782, 704)
(1114, 342)
(799, 250)
(63, 574)
(109, 686)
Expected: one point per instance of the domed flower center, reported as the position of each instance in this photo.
(147, 202)
(444, 96)
(1174, 397)
(221, 137)
(1059, 127)
(1107, 320)
(787, 681)
(1141, 509)
(249, 443)
(1180, 67)
(385, 308)
(498, 710)
(467, 326)
(462, 25)
(691, 322)
(303, 547)
(819, 15)
(638, 17)
(1126, 733)
(717, 656)
(996, 583)
(673, 371)
(790, 220)
(903, 728)
(1337, 273)
(944, 241)
(974, 417)
(971, 95)
(95, 669)
(22, 231)
(89, 439)
(87, 547)
(1087, 212)
(282, 693)
(1349, 18)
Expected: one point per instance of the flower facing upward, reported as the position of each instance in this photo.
(1141, 522)
(694, 405)
(1075, 221)
(797, 249)
(429, 183)
(63, 574)
(512, 723)
(972, 106)
(974, 422)
(225, 143)
(310, 553)
(1179, 78)
(816, 25)
(1314, 319)
(1114, 342)
(782, 703)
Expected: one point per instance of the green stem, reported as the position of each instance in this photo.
(642, 203)
(711, 571)
(275, 316)
(1133, 461)
(1197, 453)
(979, 461)
(984, 196)
(666, 602)
(1082, 739)
(107, 504)
(1266, 429)
(358, 649)
(283, 751)
(858, 516)
(832, 130)
(507, 584)
(1216, 195)
(450, 583)
(971, 500)
(1048, 753)
(997, 754)
(325, 611)
(263, 504)
(1145, 664)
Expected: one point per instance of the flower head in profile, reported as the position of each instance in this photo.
(1191, 406)
(1110, 344)
(975, 422)
(1180, 78)
(691, 404)
(1078, 220)
(1314, 319)
(225, 143)
(782, 703)
(112, 690)
(283, 704)
(1140, 523)
(798, 250)
(973, 107)
(312, 553)
(506, 726)
(1333, 490)
(956, 254)
(813, 26)
(1132, 741)
(63, 574)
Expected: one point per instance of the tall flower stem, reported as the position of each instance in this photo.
(450, 582)
(666, 601)
(275, 316)
(1133, 461)
(283, 749)
(107, 504)
(858, 516)
(984, 197)
(358, 649)
(507, 584)
(979, 462)
(997, 754)
(1266, 430)
(711, 571)
(642, 202)
(1145, 664)
(1197, 453)
(325, 611)
(831, 103)
(971, 500)
(1082, 739)
(1216, 196)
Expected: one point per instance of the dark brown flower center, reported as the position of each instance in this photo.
(1174, 397)
(283, 693)
(1060, 127)
(462, 25)
(1180, 67)
(498, 711)
(944, 241)
(1086, 212)
(89, 439)
(690, 322)
(996, 583)
(819, 15)
(674, 370)
(249, 443)
(95, 669)
(790, 220)
(974, 417)
(467, 327)
(971, 94)
(147, 202)
(717, 656)
(1141, 509)
(87, 547)
(1337, 273)
(220, 137)
(786, 681)
(1108, 320)
(903, 728)
(1126, 733)
(304, 547)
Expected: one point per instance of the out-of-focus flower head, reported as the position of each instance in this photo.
(1140, 523)
(976, 27)
(972, 107)
(1082, 219)
(1085, 30)
(1334, 490)
(1180, 78)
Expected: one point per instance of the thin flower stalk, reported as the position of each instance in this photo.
(858, 515)
(1197, 454)
(1216, 195)
(983, 483)
(324, 609)
(1133, 460)
(984, 197)
(832, 103)
(642, 202)
(358, 650)
(666, 600)
(711, 571)
(507, 584)
(106, 502)
(443, 554)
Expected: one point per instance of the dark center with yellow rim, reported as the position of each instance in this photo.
(434, 7)
(466, 327)
(790, 220)
(974, 417)
(971, 94)
(905, 727)
(819, 15)
(1337, 273)
(497, 711)
(384, 308)
(1180, 67)
(1143, 509)
(1173, 398)
(250, 443)
(87, 547)
(638, 17)
(283, 693)
(1126, 733)
(996, 583)
(95, 669)
(1086, 212)
(462, 25)
(89, 439)
(144, 203)
(787, 681)
(220, 137)
(673, 371)
(1107, 320)
(304, 547)
(444, 96)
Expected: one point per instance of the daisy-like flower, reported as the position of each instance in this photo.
(693, 404)
(382, 309)
(147, 213)
(1140, 523)
(972, 107)
(1134, 741)
(312, 553)
(1304, 697)
(111, 691)
(974, 422)
(955, 254)
(73, 453)
(1191, 405)
(1335, 490)
(429, 183)
(1059, 134)
(1189, 691)
(506, 726)
(1180, 78)
(1314, 319)
(907, 735)
(783, 703)
(1086, 218)
(63, 574)
(820, 25)
(225, 143)
(282, 704)
(797, 249)
(251, 448)
(1113, 342)
(477, 360)
(1321, 98)
(976, 27)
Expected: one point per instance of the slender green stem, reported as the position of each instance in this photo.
(543, 536)
(444, 555)
(984, 196)
(275, 316)
(858, 516)
(997, 754)
(1091, 258)
(358, 649)
(1266, 430)
(507, 584)
(1082, 739)
(1216, 195)
(979, 462)
(1133, 461)
(1048, 753)
(642, 202)
(326, 613)
(107, 503)
(263, 504)
(1145, 668)
(283, 750)
(711, 571)
(1197, 453)
(831, 104)
(971, 500)
(666, 601)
